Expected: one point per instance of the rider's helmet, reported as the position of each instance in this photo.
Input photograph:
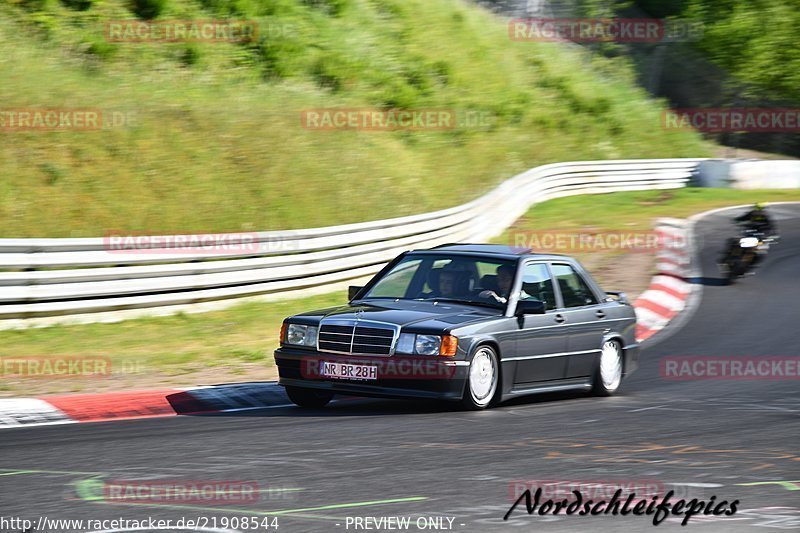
(759, 206)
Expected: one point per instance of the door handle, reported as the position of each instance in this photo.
(600, 314)
(560, 319)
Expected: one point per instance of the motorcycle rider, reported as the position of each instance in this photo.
(756, 219)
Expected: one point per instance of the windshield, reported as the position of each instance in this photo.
(454, 278)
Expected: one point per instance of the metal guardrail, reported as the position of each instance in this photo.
(69, 277)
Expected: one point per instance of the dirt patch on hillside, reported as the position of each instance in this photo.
(630, 272)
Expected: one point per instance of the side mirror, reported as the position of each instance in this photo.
(621, 297)
(529, 307)
(352, 291)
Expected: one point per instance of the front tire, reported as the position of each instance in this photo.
(483, 380)
(608, 374)
(309, 398)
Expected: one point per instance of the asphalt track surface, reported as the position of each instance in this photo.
(358, 458)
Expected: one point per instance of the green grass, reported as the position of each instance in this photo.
(217, 143)
(236, 344)
(635, 210)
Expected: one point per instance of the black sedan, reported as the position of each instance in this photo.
(474, 323)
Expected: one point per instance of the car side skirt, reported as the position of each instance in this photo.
(550, 386)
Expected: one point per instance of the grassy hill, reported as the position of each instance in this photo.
(216, 142)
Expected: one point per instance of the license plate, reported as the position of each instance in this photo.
(347, 371)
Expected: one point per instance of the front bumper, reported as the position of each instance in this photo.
(398, 376)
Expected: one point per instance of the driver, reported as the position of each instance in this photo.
(505, 278)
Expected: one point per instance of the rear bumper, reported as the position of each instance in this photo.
(397, 376)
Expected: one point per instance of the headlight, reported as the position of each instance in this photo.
(427, 344)
(301, 335)
(412, 344)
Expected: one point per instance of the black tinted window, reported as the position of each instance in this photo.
(574, 290)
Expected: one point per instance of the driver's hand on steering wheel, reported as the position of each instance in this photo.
(492, 294)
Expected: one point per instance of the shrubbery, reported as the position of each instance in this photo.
(78, 5)
(148, 9)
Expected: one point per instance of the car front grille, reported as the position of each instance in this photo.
(356, 337)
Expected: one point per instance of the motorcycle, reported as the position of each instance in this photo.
(743, 253)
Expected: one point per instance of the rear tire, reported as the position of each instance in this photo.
(738, 268)
(483, 380)
(608, 374)
(731, 262)
(732, 274)
(309, 398)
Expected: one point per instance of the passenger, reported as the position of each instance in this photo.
(447, 283)
(443, 282)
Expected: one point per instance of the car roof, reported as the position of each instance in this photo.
(497, 250)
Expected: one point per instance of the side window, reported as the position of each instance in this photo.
(537, 285)
(574, 290)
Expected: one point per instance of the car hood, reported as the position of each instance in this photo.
(438, 315)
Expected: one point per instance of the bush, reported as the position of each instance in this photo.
(33, 5)
(399, 95)
(44, 23)
(52, 173)
(332, 70)
(78, 5)
(190, 55)
(148, 9)
(330, 7)
(270, 56)
(100, 48)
